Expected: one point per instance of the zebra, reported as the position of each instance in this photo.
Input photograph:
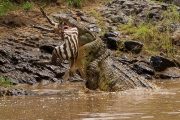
(69, 50)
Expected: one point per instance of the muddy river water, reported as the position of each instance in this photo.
(139, 104)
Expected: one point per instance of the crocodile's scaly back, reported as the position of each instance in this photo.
(103, 70)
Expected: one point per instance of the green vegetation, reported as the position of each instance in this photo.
(171, 15)
(5, 82)
(75, 3)
(5, 6)
(9, 5)
(149, 33)
(80, 3)
(27, 6)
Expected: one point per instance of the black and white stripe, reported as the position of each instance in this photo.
(69, 49)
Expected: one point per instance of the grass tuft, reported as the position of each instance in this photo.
(27, 6)
(154, 40)
(75, 3)
(5, 6)
(5, 82)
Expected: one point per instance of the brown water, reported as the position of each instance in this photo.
(139, 104)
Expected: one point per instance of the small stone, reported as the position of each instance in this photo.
(129, 4)
(112, 43)
(164, 6)
(154, 14)
(169, 73)
(34, 37)
(79, 13)
(176, 2)
(160, 63)
(119, 19)
(176, 37)
(142, 68)
(133, 46)
(111, 34)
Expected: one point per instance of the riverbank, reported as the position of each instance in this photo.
(136, 41)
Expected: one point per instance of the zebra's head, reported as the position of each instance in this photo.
(61, 26)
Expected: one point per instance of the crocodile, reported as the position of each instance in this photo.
(100, 68)
(105, 72)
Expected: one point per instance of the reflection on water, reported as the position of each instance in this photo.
(162, 104)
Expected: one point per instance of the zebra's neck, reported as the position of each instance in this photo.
(70, 31)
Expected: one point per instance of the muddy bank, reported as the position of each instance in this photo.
(22, 47)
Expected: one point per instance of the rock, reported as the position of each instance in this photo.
(155, 7)
(79, 13)
(14, 92)
(47, 48)
(111, 34)
(35, 37)
(169, 73)
(160, 63)
(95, 29)
(119, 19)
(121, 11)
(23, 77)
(147, 76)
(176, 2)
(45, 74)
(127, 60)
(164, 6)
(3, 52)
(112, 43)
(128, 4)
(76, 78)
(143, 68)
(112, 28)
(3, 61)
(111, 39)
(59, 71)
(154, 14)
(6, 68)
(133, 46)
(176, 37)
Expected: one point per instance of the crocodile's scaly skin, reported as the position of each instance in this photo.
(105, 72)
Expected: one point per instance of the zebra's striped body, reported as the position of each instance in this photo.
(69, 49)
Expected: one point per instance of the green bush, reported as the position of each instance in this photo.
(75, 3)
(5, 6)
(5, 82)
(27, 6)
